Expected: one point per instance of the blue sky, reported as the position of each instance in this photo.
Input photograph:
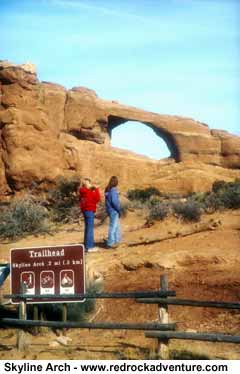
(168, 56)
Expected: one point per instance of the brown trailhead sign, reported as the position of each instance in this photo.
(57, 270)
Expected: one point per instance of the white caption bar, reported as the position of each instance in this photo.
(118, 366)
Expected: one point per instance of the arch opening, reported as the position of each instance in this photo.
(142, 138)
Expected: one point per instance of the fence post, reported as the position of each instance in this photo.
(21, 338)
(35, 317)
(42, 317)
(162, 345)
(64, 316)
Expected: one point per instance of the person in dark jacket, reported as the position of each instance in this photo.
(113, 209)
(89, 197)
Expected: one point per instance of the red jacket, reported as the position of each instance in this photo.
(88, 199)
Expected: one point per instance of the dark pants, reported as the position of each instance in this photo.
(89, 229)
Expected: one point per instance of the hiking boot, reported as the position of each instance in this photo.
(113, 246)
(92, 250)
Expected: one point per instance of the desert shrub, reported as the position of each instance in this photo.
(189, 210)
(213, 202)
(67, 187)
(198, 197)
(230, 196)
(219, 186)
(101, 213)
(23, 217)
(125, 205)
(81, 311)
(153, 200)
(223, 195)
(142, 194)
(138, 205)
(135, 194)
(158, 211)
(187, 355)
(73, 214)
(75, 311)
(64, 200)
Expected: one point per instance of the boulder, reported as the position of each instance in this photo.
(24, 74)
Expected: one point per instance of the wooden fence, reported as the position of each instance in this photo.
(162, 330)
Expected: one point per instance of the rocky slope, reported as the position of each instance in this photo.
(47, 131)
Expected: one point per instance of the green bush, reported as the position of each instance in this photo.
(198, 197)
(213, 202)
(153, 200)
(187, 355)
(125, 204)
(189, 210)
(64, 199)
(23, 217)
(230, 196)
(224, 195)
(138, 205)
(101, 213)
(158, 211)
(75, 311)
(142, 194)
(219, 186)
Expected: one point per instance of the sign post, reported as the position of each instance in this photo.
(22, 313)
(58, 270)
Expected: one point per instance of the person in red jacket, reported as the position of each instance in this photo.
(89, 197)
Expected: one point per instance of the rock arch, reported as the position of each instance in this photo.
(114, 122)
(91, 118)
(187, 139)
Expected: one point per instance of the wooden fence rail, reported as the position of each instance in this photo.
(220, 338)
(97, 295)
(88, 325)
(186, 302)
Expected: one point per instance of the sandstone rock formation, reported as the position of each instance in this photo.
(47, 131)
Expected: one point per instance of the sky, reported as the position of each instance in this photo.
(177, 57)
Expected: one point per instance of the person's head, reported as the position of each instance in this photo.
(113, 182)
(86, 182)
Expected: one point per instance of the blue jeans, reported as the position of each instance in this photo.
(114, 232)
(89, 229)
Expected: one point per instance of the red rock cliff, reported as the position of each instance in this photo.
(47, 131)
